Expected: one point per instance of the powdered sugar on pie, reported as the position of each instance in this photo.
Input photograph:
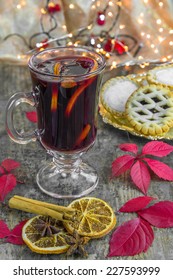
(161, 75)
(115, 93)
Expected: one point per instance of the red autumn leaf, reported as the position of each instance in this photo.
(157, 148)
(4, 230)
(136, 204)
(9, 164)
(32, 116)
(121, 164)
(15, 236)
(159, 215)
(7, 183)
(128, 147)
(131, 238)
(160, 169)
(2, 171)
(149, 234)
(140, 176)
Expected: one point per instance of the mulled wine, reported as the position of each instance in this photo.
(67, 102)
(66, 83)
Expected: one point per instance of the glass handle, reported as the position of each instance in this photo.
(14, 101)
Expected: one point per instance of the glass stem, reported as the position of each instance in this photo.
(67, 163)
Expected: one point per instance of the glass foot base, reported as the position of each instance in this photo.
(60, 183)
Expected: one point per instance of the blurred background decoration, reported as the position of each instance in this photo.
(123, 31)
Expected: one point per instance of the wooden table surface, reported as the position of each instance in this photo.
(116, 192)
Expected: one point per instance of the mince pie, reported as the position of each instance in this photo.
(115, 93)
(150, 110)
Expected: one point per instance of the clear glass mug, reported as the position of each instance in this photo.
(66, 83)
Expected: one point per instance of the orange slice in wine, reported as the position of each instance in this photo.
(65, 83)
(76, 94)
(83, 134)
(54, 100)
(57, 68)
(68, 84)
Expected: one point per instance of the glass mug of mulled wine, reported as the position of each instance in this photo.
(66, 83)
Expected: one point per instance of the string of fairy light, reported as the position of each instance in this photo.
(162, 29)
(104, 39)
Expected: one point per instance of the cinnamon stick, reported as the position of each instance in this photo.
(37, 207)
(55, 207)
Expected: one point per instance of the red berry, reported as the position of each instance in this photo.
(100, 18)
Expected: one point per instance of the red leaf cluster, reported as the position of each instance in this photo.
(136, 236)
(7, 184)
(141, 164)
(7, 179)
(13, 236)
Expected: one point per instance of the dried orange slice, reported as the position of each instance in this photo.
(95, 218)
(45, 235)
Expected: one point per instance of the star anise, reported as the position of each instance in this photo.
(76, 243)
(48, 226)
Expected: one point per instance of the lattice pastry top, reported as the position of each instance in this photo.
(161, 75)
(150, 110)
(115, 93)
